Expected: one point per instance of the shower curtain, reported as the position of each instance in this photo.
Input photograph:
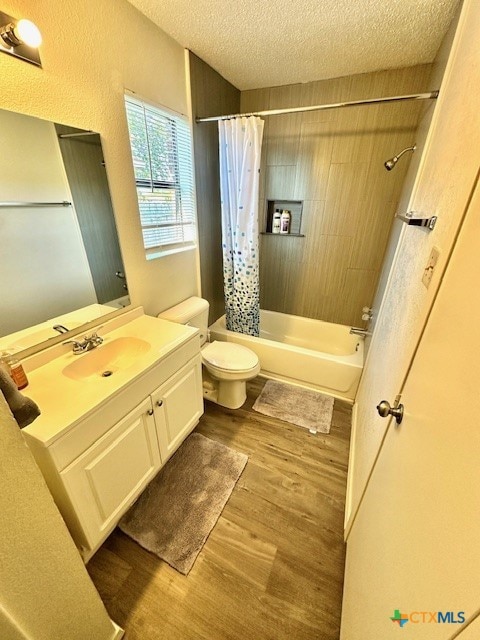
(240, 143)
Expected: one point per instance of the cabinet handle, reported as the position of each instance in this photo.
(159, 403)
(150, 412)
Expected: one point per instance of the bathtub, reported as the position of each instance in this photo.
(310, 353)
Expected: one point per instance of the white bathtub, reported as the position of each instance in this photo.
(310, 353)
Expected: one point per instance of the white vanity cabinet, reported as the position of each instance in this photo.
(100, 465)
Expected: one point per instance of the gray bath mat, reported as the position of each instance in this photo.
(177, 511)
(303, 407)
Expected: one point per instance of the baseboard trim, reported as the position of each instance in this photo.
(119, 632)
(351, 465)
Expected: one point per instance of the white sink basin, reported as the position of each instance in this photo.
(133, 344)
(106, 359)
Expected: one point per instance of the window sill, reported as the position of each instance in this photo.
(153, 254)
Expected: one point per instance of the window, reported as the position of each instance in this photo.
(162, 161)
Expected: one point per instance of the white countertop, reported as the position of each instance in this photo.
(44, 331)
(64, 401)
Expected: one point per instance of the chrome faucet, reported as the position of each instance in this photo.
(357, 331)
(88, 343)
(60, 328)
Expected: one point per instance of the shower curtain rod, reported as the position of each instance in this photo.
(431, 95)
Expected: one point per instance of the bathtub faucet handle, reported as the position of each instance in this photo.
(367, 313)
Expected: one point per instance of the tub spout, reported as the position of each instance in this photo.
(357, 331)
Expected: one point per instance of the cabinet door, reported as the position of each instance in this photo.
(104, 481)
(178, 405)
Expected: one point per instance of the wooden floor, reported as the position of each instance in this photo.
(272, 568)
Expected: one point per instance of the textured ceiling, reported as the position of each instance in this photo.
(263, 43)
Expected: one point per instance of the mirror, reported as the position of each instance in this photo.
(60, 259)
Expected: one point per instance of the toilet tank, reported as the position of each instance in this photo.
(192, 311)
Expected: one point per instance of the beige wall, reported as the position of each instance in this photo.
(211, 95)
(92, 51)
(46, 591)
(333, 161)
(443, 186)
(434, 83)
(423, 348)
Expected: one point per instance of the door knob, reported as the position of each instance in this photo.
(384, 410)
(159, 403)
(150, 412)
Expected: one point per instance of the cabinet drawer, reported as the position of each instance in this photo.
(104, 481)
(94, 426)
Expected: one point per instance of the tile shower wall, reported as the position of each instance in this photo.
(333, 161)
(211, 95)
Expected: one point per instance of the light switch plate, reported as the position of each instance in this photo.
(429, 269)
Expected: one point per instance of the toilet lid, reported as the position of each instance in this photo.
(229, 356)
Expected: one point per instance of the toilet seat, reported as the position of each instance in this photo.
(226, 356)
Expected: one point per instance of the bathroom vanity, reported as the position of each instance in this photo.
(112, 417)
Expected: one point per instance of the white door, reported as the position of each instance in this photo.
(414, 546)
(443, 186)
(472, 632)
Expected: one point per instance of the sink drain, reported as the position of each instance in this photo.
(106, 374)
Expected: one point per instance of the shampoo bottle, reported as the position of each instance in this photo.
(285, 221)
(276, 221)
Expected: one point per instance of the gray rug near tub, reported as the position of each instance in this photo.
(302, 407)
(177, 511)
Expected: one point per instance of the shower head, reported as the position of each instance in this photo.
(389, 164)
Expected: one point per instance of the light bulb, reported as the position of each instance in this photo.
(28, 33)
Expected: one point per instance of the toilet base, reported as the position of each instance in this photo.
(210, 394)
(229, 394)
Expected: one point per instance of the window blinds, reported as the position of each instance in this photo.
(162, 160)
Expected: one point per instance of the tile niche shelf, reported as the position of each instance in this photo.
(295, 207)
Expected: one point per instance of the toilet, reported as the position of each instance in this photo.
(226, 366)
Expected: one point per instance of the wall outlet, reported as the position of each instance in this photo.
(429, 269)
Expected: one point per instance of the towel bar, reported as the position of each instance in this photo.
(8, 205)
(429, 223)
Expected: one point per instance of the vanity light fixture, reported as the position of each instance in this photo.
(20, 38)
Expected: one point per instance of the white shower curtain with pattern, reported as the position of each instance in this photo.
(240, 144)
